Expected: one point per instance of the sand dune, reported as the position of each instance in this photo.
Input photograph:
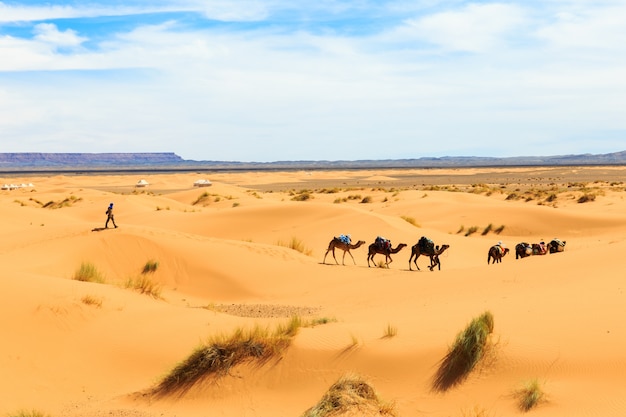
(74, 348)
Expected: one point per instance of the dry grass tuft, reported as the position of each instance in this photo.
(221, 353)
(150, 266)
(410, 220)
(530, 395)
(297, 245)
(28, 413)
(144, 285)
(91, 300)
(469, 347)
(390, 331)
(351, 393)
(87, 272)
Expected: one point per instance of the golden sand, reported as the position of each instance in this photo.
(224, 262)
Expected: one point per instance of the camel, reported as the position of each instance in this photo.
(496, 252)
(337, 243)
(556, 245)
(539, 248)
(523, 250)
(416, 251)
(375, 248)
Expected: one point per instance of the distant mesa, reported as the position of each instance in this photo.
(169, 161)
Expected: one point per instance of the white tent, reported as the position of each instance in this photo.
(142, 183)
(202, 183)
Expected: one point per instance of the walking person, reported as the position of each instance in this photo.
(110, 217)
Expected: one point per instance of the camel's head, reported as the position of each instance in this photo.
(506, 250)
(444, 247)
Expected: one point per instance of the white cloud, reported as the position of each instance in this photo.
(49, 33)
(474, 28)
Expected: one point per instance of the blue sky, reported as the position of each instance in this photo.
(274, 80)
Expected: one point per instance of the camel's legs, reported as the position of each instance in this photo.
(328, 250)
(349, 253)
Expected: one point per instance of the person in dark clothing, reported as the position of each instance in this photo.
(110, 217)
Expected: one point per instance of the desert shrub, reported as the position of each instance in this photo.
(28, 413)
(150, 266)
(410, 220)
(487, 229)
(202, 199)
(354, 197)
(144, 285)
(499, 230)
(222, 353)
(87, 272)
(302, 196)
(530, 395)
(469, 347)
(461, 229)
(512, 196)
(297, 245)
(585, 198)
(390, 331)
(366, 200)
(318, 321)
(91, 300)
(235, 204)
(351, 394)
(471, 230)
(552, 197)
(66, 202)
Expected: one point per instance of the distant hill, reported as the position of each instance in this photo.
(169, 161)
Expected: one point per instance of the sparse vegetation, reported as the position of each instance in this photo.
(351, 393)
(487, 229)
(144, 285)
(319, 321)
(410, 220)
(150, 267)
(66, 202)
(302, 195)
(297, 245)
(586, 198)
(366, 200)
(28, 413)
(222, 353)
(390, 331)
(91, 300)
(469, 347)
(87, 272)
(471, 230)
(530, 395)
(203, 199)
(499, 230)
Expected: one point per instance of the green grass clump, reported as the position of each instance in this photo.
(150, 266)
(351, 394)
(222, 353)
(87, 272)
(469, 347)
(530, 395)
(144, 285)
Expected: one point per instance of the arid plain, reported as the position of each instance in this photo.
(189, 265)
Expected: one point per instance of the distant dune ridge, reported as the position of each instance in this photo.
(170, 159)
(94, 320)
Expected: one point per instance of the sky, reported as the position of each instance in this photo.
(277, 80)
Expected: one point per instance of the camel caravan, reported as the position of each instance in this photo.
(383, 246)
(427, 247)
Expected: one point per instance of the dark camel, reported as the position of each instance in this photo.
(434, 256)
(496, 252)
(523, 250)
(337, 243)
(556, 245)
(375, 248)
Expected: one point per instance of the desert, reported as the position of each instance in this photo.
(93, 320)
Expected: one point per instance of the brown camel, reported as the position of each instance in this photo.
(375, 248)
(416, 251)
(337, 243)
(556, 245)
(496, 252)
(523, 250)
